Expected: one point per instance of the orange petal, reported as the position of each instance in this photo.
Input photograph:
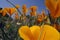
(51, 5)
(12, 10)
(49, 33)
(25, 33)
(36, 31)
(57, 12)
(4, 12)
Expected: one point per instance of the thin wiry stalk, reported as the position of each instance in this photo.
(14, 6)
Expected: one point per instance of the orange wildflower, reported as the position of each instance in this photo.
(54, 7)
(4, 12)
(39, 19)
(11, 11)
(7, 9)
(57, 11)
(33, 8)
(45, 32)
(24, 9)
(41, 16)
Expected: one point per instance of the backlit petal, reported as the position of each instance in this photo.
(49, 33)
(25, 33)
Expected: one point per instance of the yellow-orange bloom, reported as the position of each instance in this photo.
(24, 9)
(33, 8)
(11, 11)
(31, 33)
(37, 33)
(4, 12)
(49, 33)
(7, 9)
(41, 16)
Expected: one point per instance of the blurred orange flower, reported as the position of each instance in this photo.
(54, 7)
(7, 9)
(41, 16)
(45, 32)
(1, 11)
(4, 12)
(33, 8)
(24, 9)
(11, 11)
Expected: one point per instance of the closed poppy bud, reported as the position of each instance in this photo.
(53, 7)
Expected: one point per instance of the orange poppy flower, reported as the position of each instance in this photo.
(53, 7)
(57, 11)
(7, 9)
(24, 9)
(4, 12)
(45, 32)
(33, 8)
(11, 11)
(41, 16)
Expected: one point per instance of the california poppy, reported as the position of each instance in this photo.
(4, 12)
(33, 8)
(53, 7)
(45, 32)
(11, 11)
(24, 9)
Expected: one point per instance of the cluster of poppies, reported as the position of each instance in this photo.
(36, 26)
